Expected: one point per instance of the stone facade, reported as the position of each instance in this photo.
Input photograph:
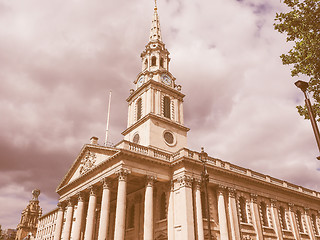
(47, 225)
(150, 186)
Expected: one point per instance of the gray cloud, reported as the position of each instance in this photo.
(60, 59)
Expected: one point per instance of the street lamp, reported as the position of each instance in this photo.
(205, 179)
(303, 86)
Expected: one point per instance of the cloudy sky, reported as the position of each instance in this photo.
(59, 60)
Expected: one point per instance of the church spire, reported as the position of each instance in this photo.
(155, 33)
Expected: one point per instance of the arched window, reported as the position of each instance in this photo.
(299, 221)
(161, 62)
(283, 218)
(153, 61)
(139, 108)
(264, 216)
(166, 107)
(131, 217)
(243, 210)
(162, 206)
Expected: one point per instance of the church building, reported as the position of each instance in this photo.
(151, 186)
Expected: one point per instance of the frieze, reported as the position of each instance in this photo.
(87, 163)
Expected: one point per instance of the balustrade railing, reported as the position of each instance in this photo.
(214, 162)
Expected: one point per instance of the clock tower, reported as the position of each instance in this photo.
(155, 112)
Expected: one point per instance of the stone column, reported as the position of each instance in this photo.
(184, 206)
(79, 217)
(88, 234)
(148, 209)
(105, 211)
(198, 207)
(233, 214)
(309, 224)
(256, 216)
(69, 219)
(223, 224)
(275, 219)
(170, 215)
(57, 233)
(119, 230)
(293, 221)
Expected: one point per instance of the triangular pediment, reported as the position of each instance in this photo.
(88, 159)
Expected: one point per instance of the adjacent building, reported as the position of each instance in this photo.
(151, 186)
(27, 227)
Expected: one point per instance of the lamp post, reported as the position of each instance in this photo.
(303, 86)
(205, 179)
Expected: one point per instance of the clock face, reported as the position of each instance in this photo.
(166, 80)
(140, 81)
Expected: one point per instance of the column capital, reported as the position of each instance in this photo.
(221, 189)
(253, 197)
(122, 174)
(291, 205)
(185, 181)
(150, 179)
(172, 185)
(106, 184)
(232, 192)
(92, 190)
(306, 210)
(61, 206)
(197, 183)
(273, 202)
(81, 196)
(69, 202)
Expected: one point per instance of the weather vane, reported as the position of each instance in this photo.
(155, 5)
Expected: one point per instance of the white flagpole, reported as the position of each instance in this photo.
(108, 118)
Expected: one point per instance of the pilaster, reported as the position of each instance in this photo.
(171, 212)
(184, 226)
(256, 216)
(309, 224)
(234, 221)
(198, 207)
(275, 219)
(293, 221)
(223, 222)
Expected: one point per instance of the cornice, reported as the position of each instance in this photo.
(153, 83)
(156, 117)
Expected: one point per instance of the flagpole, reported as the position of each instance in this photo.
(108, 119)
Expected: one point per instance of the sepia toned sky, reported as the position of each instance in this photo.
(59, 60)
